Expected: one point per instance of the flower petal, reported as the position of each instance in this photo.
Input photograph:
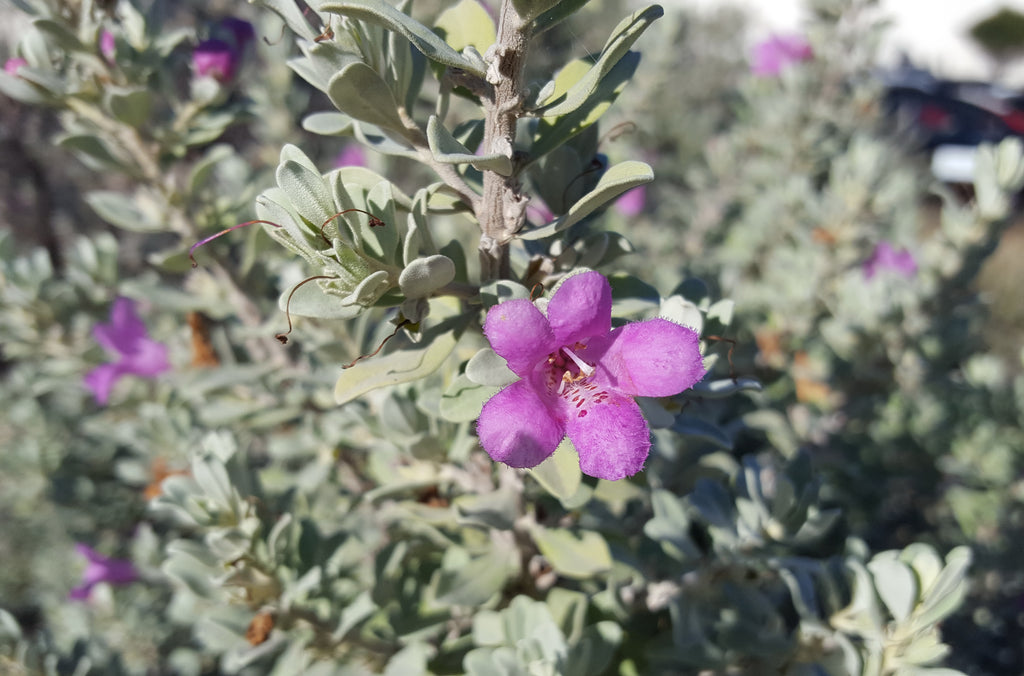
(516, 427)
(81, 592)
(90, 554)
(613, 439)
(519, 333)
(148, 359)
(101, 381)
(581, 308)
(655, 358)
(124, 329)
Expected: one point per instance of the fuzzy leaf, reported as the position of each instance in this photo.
(119, 209)
(421, 37)
(558, 12)
(595, 649)
(552, 132)
(310, 300)
(358, 91)
(131, 106)
(487, 368)
(560, 473)
(576, 555)
(424, 276)
(622, 38)
(617, 180)
(670, 527)
(947, 593)
(328, 123)
(467, 24)
(408, 363)
(896, 584)
(307, 192)
(447, 150)
(464, 399)
(292, 15)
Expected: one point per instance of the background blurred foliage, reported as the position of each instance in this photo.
(275, 532)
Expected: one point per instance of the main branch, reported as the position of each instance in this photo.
(503, 208)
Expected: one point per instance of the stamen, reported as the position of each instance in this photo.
(586, 370)
(283, 337)
(403, 323)
(192, 249)
(374, 222)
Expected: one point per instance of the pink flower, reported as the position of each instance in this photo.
(12, 66)
(238, 32)
(539, 212)
(101, 569)
(220, 56)
(773, 55)
(579, 377)
(885, 258)
(107, 45)
(216, 59)
(350, 156)
(137, 354)
(632, 202)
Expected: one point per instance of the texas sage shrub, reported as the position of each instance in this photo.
(474, 445)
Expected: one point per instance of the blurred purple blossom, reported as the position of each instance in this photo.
(771, 56)
(216, 59)
(12, 66)
(538, 212)
(107, 45)
(137, 354)
(221, 55)
(101, 569)
(632, 202)
(578, 378)
(351, 156)
(885, 257)
(238, 32)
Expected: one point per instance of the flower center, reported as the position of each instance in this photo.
(567, 368)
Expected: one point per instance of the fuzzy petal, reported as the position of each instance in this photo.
(516, 427)
(147, 359)
(655, 358)
(124, 329)
(613, 439)
(520, 334)
(581, 308)
(81, 592)
(101, 379)
(88, 553)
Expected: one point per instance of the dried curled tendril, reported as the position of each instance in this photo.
(401, 324)
(283, 337)
(192, 249)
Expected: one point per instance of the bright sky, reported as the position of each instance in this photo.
(933, 32)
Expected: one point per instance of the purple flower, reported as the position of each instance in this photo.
(238, 32)
(579, 377)
(884, 257)
(107, 45)
(632, 202)
(350, 156)
(12, 66)
(216, 59)
(101, 569)
(539, 212)
(220, 56)
(137, 354)
(773, 55)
